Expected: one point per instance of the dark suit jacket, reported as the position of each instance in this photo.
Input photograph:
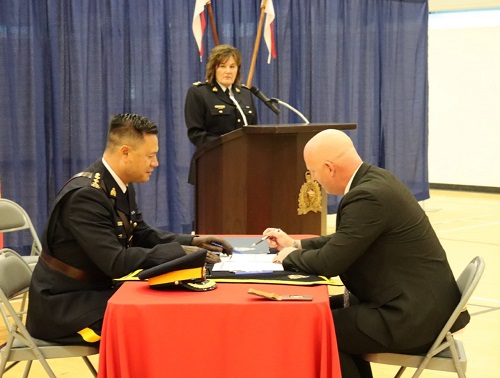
(85, 231)
(388, 255)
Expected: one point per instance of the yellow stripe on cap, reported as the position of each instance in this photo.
(89, 335)
(177, 275)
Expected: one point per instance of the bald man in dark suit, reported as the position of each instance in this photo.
(385, 251)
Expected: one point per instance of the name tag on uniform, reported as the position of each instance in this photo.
(220, 106)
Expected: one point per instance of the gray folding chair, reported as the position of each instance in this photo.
(14, 218)
(447, 353)
(15, 277)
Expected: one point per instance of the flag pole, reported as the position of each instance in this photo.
(257, 42)
(212, 23)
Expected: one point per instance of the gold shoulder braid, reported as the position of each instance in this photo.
(309, 196)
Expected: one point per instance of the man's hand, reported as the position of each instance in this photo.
(281, 255)
(211, 258)
(213, 243)
(277, 238)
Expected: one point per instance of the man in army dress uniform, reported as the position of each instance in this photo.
(95, 233)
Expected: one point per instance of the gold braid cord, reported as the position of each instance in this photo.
(309, 196)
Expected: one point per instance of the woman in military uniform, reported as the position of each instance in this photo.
(221, 104)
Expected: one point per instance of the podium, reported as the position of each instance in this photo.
(250, 179)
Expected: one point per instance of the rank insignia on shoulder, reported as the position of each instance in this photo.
(95, 183)
(198, 83)
(112, 193)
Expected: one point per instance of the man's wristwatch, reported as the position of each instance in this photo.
(296, 244)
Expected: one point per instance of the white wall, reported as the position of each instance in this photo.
(464, 98)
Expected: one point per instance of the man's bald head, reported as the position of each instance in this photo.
(332, 159)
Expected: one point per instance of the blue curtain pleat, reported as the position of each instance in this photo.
(67, 66)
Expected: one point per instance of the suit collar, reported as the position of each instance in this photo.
(359, 174)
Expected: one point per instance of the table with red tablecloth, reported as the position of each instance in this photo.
(221, 333)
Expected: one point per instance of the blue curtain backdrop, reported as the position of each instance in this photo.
(66, 66)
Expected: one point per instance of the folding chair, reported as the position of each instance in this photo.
(447, 353)
(14, 218)
(15, 277)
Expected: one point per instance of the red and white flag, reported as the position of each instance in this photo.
(269, 30)
(199, 24)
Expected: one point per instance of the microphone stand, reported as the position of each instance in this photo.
(278, 101)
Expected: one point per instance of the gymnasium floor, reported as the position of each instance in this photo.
(468, 224)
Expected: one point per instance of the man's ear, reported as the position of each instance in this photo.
(124, 150)
(330, 166)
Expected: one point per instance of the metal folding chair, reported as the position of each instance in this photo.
(15, 277)
(447, 353)
(14, 218)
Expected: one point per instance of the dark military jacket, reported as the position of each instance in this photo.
(85, 232)
(210, 113)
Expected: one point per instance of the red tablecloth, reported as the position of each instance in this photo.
(222, 333)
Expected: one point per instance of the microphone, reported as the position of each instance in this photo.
(262, 97)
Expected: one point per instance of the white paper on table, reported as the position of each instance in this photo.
(248, 263)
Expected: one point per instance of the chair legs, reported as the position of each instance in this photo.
(47, 368)
(90, 366)
(400, 372)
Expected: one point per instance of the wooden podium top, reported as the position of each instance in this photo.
(292, 128)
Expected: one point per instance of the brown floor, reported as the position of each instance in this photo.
(468, 224)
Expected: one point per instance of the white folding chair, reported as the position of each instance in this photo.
(447, 353)
(15, 277)
(14, 218)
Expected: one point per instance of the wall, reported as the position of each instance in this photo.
(464, 98)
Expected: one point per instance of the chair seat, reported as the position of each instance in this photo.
(31, 261)
(21, 352)
(442, 361)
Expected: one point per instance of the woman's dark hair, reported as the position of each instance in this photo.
(221, 54)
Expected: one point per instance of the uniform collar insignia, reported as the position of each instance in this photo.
(112, 193)
(95, 182)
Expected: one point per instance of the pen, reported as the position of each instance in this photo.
(260, 240)
(217, 245)
(264, 238)
(235, 252)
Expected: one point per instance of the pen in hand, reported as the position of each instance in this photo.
(224, 250)
(260, 240)
(264, 238)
